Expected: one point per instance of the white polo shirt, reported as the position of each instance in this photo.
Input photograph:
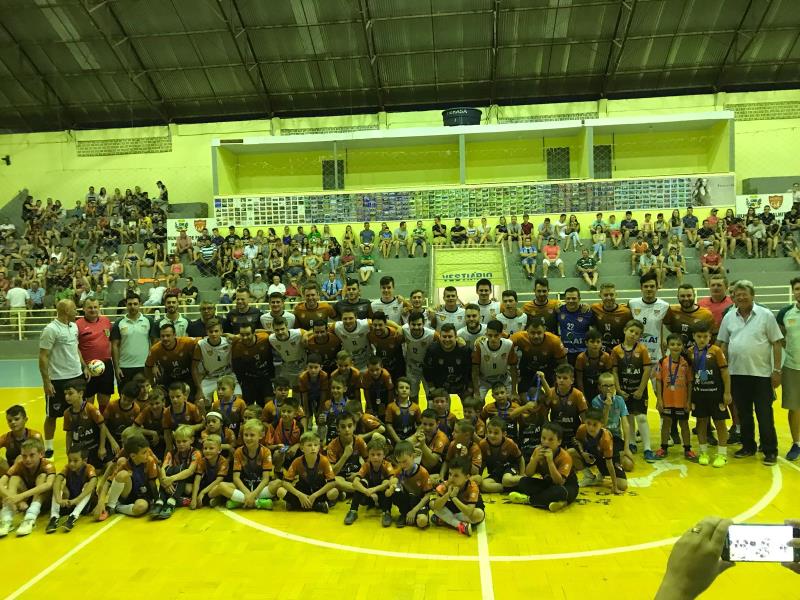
(134, 340)
(750, 342)
(789, 319)
(61, 340)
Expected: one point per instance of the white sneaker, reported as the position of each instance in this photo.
(590, 479)
(25, 527)
(5, 528)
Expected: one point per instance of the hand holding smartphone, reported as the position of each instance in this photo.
(761, 543)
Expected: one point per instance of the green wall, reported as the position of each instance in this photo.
(48, 165)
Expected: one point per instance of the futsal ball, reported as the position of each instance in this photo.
(96, 367)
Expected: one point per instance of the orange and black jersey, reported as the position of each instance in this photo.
(315, 475)
(372, 477)
(566, 410)
(175, 364)
(497, 457)
(232, 412)
(590, 370)
(304, 315)
(29, 475)
(544, 357)
(600, 446)
(181, 460)
(83, 426)
(389, 349)
(227, 436)
(188, 415)
(119, 418)
(74, 481)
(252, 466)
(13, 445)
(630, 365)
(547, 311)
(378, 392)
(284, 434)
(327, 347)
(473, 453)
(707, 365)
(469, 493)
(416, 480)
(353, 378)
(449, 369)
(446, 423)
(683, 322)
(404, 419)
(611, 323)
(271, 413)
(210, 471)
(335, 450)
(317, 389)
(253, 362)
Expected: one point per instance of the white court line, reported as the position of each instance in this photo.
(789, 464)
(766, 499)
(484, 560)
(47, 570)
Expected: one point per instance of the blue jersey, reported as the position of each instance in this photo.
(573, 327)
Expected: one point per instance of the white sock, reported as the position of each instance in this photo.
(125, 509)
(33, 510)
(6, 514)
(265, 493)
(238, 496)
(446, 515)
(80, 506)
(48, 444)
(114, 492)
(644, 429)
(723, 450)
(55, 509)
(171, 502)
(703, 448)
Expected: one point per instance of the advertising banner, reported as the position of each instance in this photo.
(779, 204)
(193, 228)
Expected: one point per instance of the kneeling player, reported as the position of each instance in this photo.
(372, 484)
(177, 474)
(133, 487)
(309, 483)
(345, 452)
(412, 486)
(502, 457)
(27, 485)
(252, 464)
(458, 502)
(597, 446)
(73, 491)
(212, 469)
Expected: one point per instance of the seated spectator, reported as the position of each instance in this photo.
(552, 257)
(189, 292)
(131, 264)
(183, 244)
(334, 253)
(661, 227)
(331, 289)
(366, 264)
(348, 260)
(295, 263)
(276, 286)
(675, 224)
(501, 232)
(675, 265)
(774, 237)
(419, 239)
(690, 226)
(527, 255)
(598, 229)
(402, 237)
(293, 289)
(614, 231)
(312, 264)
(735, 235)
(439, 230)
(226, 266)
(155, 295)
(573, 234)
(638, 248)
(648, 263)
(176, 266)
(514, 232)
(18, 304)
(545, 232)
(587, 269)
(711, 262)
(366, 236)
(472, 234)
(629, 227)
(258, 289)
(484, 232)
(111, 267)
(227, 292)
(757, 233)
(36, 295)
(458, 234)
(705, 237)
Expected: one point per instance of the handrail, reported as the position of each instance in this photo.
(21, 324)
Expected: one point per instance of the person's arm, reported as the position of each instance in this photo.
(777, 356)
(197, 377)
(467, 509)
(533, 463)
(115, 359)
(412, 514)
(476, 372)
(643, 383)
(555, 474)
(88, 489)
(34, 491)
(44, 367)
(438, 501)
(347, 452)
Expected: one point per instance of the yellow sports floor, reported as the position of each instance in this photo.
(601, 547)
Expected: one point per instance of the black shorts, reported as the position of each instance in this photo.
(618, 470)
(455, 510)
(498, 472)
(128, 373)
(56, 405)
(636, 407)
(251, 483)
(680, 414)
(255, 391)
(707, 407)
(102, 384)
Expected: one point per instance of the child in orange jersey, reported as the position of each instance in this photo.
(73, 491)
(283, 439)
(502, 457)
(378, 388)
(17, 419)
(121, 413)
(371, 484)
(402, 415)
(430, 442)
(346, 452)
(27, 485)
(367, 426)
(410, 488)
(228, 404)
(84, 425)
(180, 412)
(331, 409)
(309, 483)
(177, 474)
(212, 469)
(349, 374)
(591, 363)
(458, 501)
(595, 446)
(272, 409)
(313, 385)
(215, 426)
(133, 487)
(464, 444)
(252, 466)
(440, 402)
(472, 410)
(567, 404)
(674, 396)
(151, 422)
(502, 407)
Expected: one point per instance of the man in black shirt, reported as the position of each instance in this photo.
(630, 227)
(242, 313)
(216, 238)
(189, 292)
(197, 328)
(767, 216)
(458, 234)
(232, 237)
(447, 364)
(705, 236)
(353, 301)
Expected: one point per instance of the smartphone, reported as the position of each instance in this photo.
(761, 543)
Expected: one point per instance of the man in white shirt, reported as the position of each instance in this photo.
(18, 304)
(173, 316)
(59, 362)
(156, 294)
(789, 321)
(752, 340)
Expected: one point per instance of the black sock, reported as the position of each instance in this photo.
(687, 447)
(665, 447)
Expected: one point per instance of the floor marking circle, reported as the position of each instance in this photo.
(766, 499)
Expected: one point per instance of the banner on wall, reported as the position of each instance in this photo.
(779, 204)
(193, 228)
(713, 190)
